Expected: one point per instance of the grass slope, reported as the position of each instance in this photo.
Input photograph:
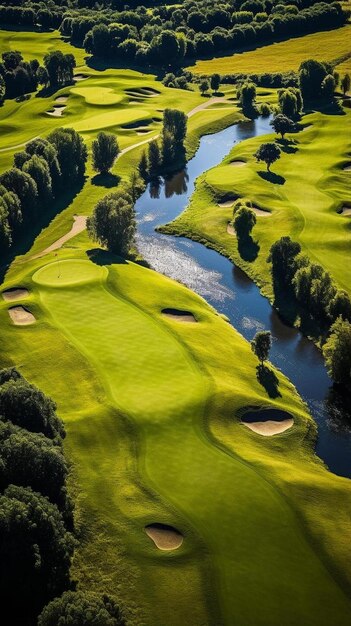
(283, 56)
(307, 188)
(151, 408)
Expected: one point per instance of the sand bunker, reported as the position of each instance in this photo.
(164, 537)
(267, 422)
(270, 427)
(238, 163)
(231, 230)
(178, 315)
(20, 316)
(61, 99)
(79, 77)
(57, 111)
(347, 168)
(227, 203)
(346, 210)
(79, 224)
(17, 293)
(307, 127)
(260, 212)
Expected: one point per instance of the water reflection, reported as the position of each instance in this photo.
(229, 290)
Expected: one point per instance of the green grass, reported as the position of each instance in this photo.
(151, 409)
(305, 206)
(283, 56)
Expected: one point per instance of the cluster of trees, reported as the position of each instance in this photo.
(318, 81)
(168, 35)
(244, 219)
(36, 516)
(274, 79)
(36, 544)
(18, 77)
(313, 288)
(41, 172)
(165, 154)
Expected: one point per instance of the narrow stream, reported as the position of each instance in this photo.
(230, 291)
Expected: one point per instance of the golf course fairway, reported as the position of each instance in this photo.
(152, 408)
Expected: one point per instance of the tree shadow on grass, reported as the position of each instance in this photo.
(248, 248)
(268, 379)
(104, 257)
(287, 146)
(105, 180)
(271, 177)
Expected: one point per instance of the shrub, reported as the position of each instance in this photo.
(81, 608)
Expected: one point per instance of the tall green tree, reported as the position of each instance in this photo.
(311, 76)
(113, 223)
(244, 221)
(261, 345)
(269, 153)
(282, 125)
(38, 169)
(345, 84)
(72, 153)
(215, 82)
(283, 255)
(105, 152)
(337, 352)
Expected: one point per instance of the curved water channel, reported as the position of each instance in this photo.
(230, 291)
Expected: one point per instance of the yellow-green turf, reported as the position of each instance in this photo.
(307, 189)
(152, 411)
(283, 56)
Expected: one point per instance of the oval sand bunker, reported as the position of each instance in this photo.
(17, 293)
(164, 537)
(69, 272)
(178, 315)
(20, 316)
(267, 422)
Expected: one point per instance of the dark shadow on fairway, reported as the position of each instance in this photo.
(271, 177)
(287, 146)
(104, 257)
(268, 379)
(34, 229)
(106, 180)
(248, 248)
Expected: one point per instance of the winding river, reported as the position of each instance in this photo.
(230, 291)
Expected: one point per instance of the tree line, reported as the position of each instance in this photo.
(36, 516)
(41, 173)
(18, 77)
(168, 36)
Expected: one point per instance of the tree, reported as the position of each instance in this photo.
(337, 352)
(24, 187)
(35, 553)
(168, 152)
(244, 221)
(311, 76)
(283, 255)
(113, 223)
(105, 152)
(32, 460)
(72, 153)
(269, 153)
(345, 84)
(38, 169)
(282, 124)
(215, 82)
(46, 150)
(59, 67)
(247, 95)
(81, 608)
(175, 122)
(154, 158)
(26, 406)
(290, 102)
(261, 345)
(340, 306)
(204, 86)
(328, 87)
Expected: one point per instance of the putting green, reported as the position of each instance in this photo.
(102, 96)
(66, 273)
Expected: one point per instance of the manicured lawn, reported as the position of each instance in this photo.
(307, 189)
(151, 408)
(283, 56)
